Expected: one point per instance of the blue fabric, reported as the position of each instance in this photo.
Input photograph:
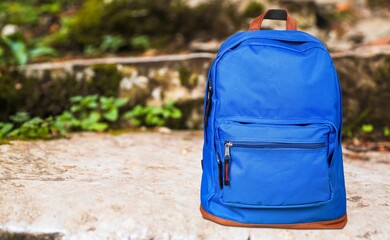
(276, 99)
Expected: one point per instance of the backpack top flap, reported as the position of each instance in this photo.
(275, 75)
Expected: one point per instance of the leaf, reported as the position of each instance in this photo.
(169, 104)
(20, 53)
(136, 122)
(176, 113)
(94, 116)
(139, 110)
(156, 110)
(5, 128)
(141, 42)
(367, 128)
(90, 101)
(105, 102)
(42, 51)
(128, 115)
(111, 43)
(20, 117)
(50, 8)
(76, 99)
(150, 119)
(160, 122)
(154, 120)
(112, 115)
(92, 105)
(120, 102)
(166, 113)
(75, 108)
(14, 132)
(18, 50)
(98, 127)
(135, 112)
(386, 131)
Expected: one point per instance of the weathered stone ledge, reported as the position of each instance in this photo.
(364, 74)
(70, 64)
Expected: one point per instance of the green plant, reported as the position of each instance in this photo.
(63, 123)
(18, 13)
(141, 42)
(349, 129)
(367, 128)
(34, 128)
(91, 111)
(386, 131)
(85, 110)
(13, 50)
(20, 117)
(60, 38)
(152, 115)
(26, 127)
(109, 44)
(5, 128)
(110, 107)
(87, 113)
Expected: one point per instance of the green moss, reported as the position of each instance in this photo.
(118, 132)
(150, 23)
(106, 80)
(29, 236)
(49, 94)
(184, 75)
(382, 74)
(187, 77)
(4, 142)
(19, 13)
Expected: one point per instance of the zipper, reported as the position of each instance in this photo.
(264, 145)
(277, 145)
(208, 103)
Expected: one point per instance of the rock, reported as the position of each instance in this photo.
(199, 46)
(146, 186)
(164, 130)
(144, 80)
(364, 75)
(365, 80)
(365, 28)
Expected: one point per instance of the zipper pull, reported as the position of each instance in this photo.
(226, 161)
(208, 103)
(220, 175)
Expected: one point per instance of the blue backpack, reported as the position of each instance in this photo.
(272, 142)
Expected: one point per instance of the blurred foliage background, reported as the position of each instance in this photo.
(34, 31)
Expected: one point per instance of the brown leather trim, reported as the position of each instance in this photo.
(330, 224)
(256, 23)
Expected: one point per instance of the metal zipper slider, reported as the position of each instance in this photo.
(226, 161)
(228, 145)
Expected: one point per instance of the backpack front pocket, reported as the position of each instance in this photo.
(269, 166)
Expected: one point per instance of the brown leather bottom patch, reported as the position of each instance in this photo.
(330, 224)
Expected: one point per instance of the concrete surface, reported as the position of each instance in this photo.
(146, 186)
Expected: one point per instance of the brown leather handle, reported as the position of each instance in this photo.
(274, 14)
